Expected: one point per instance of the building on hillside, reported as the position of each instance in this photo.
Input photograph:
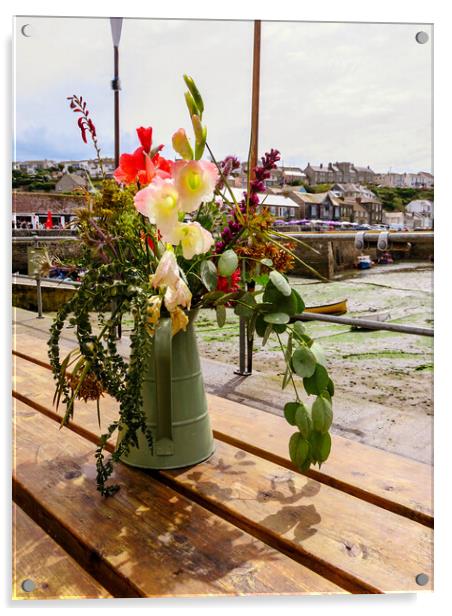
(420, 206)
(340, 172)
(395, 220)
(281, 206)
(354, 191)
(374, 207)
(70, 182)
(422, 179)
(360, 214)
(319, 206)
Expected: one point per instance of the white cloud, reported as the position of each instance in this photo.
(329, 91)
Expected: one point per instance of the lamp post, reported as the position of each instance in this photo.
(116, 27)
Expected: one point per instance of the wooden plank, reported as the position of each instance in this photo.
(396, 483)
(38, 559)
(351, 541)
(147, 540)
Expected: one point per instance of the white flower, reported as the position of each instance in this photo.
(177, 295)
(167, 272)
(194, 239)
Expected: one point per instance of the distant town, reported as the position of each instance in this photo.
(330, 195)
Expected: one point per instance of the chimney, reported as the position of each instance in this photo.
(321, 165)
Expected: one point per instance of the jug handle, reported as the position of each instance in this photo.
(164, 445)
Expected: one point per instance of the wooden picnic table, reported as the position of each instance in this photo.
(244, 522)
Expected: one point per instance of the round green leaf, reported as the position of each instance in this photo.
(279, 329)
(277, 317)
(293, 445)
(280, 283)
(322, 414)
(298, 449)
(289, 412)
(209, 275)
(302, 420)
(318, 382)
(303, 362)
(227, 263)
(300, 302)
(319, 353)
(324, 447)
(261, 326)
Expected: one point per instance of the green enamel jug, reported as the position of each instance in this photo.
(174, 402)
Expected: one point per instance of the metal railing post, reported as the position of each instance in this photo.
(38, 283)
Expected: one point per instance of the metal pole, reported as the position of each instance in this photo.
(38, 284)
(364, 323)
(116, 85)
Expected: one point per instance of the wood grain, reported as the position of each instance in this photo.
(393, 482)
(147, 540)
(55, 575)
(361, 546)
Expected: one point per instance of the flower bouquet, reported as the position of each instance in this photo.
(161, 241)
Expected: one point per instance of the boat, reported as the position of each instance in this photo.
(334, 308)
(364, 262)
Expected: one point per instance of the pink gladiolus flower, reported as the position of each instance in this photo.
(160, 203)
(167, 272)
(194, 239)
(195, 181)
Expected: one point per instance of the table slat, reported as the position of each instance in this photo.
(396, 483)
(343, 537)
(147, 540)
(39, 559)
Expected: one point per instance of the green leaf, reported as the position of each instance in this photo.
(246, 306)
(221, 315)
(319, 353)
(289, 412)
(322, 414)
(267, 262)
(278, 318)
(261, 326)
(324, 447)
(279, 329)
(302, 420)
(227, 263)
(303, 362)
(280, 283)
(330, 387)
(299, 329)
(318, 382)
(211, 297)
(300, 302)
(209, 275)
(267, 334)
(298, 449)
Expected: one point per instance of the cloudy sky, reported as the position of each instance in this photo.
(329, 91)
